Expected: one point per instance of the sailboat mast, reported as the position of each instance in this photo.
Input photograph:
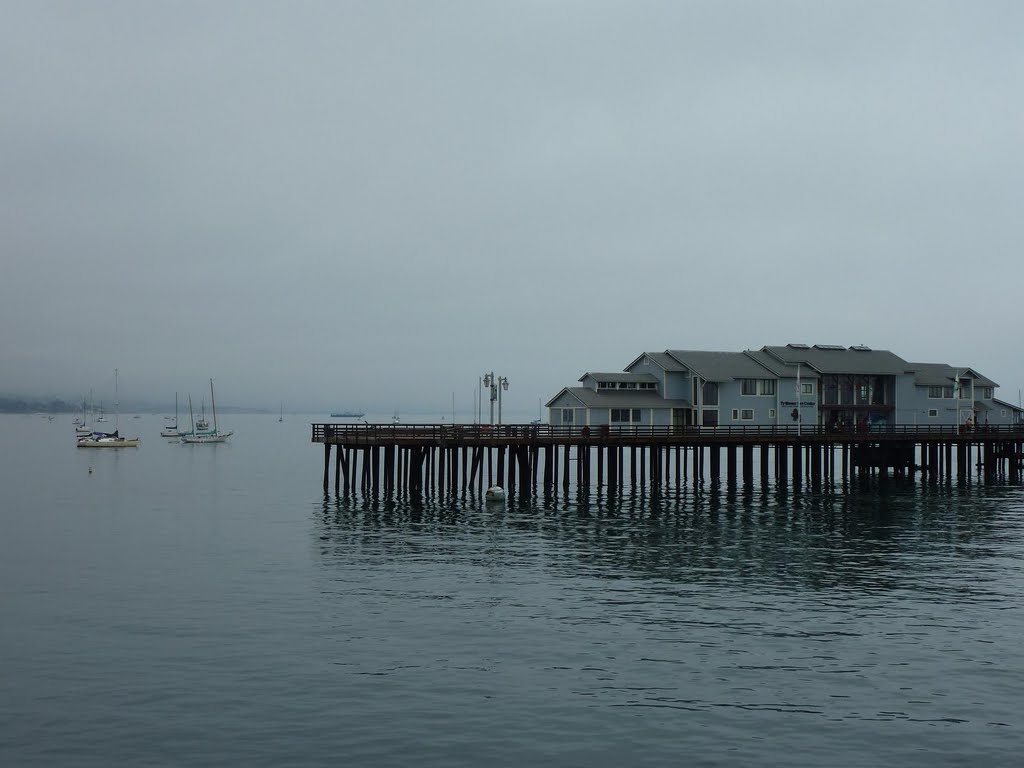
(117, 404)
(213, 405)
(191, 414)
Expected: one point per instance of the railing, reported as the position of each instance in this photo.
(542, 433)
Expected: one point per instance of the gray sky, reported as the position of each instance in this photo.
(371, 204)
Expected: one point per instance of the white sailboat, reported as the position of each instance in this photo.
(172, 430)
(210, 436)
(82, 425)
(109, 439)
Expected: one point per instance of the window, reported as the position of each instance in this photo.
(747, 414)
(771, 413)
(940, 392)
(767, 386)
(710, 393)
(625, 416)
(966, 389)
(933, 412)
(648, 385)
(749, 386)
(710, 418)
(807, 389)
(986, 393)
(1002, 412)
(605, 385)
(567, 415)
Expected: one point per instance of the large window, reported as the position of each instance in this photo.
(767, 386)
(746, 414)
(940, 392)
(710, 393)
(625, 416)
(567, 415)
(986, 393)
(749, 386)
(851, 389)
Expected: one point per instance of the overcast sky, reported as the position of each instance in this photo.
(371, 204)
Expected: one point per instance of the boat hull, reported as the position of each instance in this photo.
(109, 443)
(196, 439)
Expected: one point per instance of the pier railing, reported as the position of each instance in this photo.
(494, 434)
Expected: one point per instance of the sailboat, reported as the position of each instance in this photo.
(211, 436)
(281, 417)
(109, 439)
(202, 425)
(172, 430)
(82, 425)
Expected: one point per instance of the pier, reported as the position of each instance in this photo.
(449, 459)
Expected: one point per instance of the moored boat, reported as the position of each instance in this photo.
(109, 439)
(199, 436)
(172, 429)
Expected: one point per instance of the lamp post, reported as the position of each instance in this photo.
(502, 385)
(495, 384)
(489, 382)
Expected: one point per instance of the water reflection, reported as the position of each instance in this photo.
(873, 536)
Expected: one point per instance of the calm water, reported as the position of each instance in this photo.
(206, 605)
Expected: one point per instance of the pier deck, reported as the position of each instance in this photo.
(447, 458)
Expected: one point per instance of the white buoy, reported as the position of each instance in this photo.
(495, 493)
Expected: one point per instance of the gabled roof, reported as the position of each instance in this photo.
(661, 359)
(571, 391)
(619, 398)
(830, 358)
(942, 375)
(647, 378)
(720, 366)
(981, 381)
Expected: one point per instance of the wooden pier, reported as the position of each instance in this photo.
(452, 459)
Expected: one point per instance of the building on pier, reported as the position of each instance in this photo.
(823, 385)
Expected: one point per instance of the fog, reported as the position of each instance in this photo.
(372, 204)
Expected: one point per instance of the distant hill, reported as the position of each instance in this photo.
(36, 404)
(18, 404)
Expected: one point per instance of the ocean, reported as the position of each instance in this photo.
(208, 605)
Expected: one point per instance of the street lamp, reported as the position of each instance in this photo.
(489, 383)
(495, 384)
(503, 382)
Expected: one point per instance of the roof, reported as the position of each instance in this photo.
(620, 398)
(662, 359)
(720, 366)
(981, 381)
(932, 374)
(942, 375)
(649, 378)
(831, 358)
(773, 364)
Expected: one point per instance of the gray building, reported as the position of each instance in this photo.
(823, 384)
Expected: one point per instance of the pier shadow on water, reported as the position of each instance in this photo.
(868, 534)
